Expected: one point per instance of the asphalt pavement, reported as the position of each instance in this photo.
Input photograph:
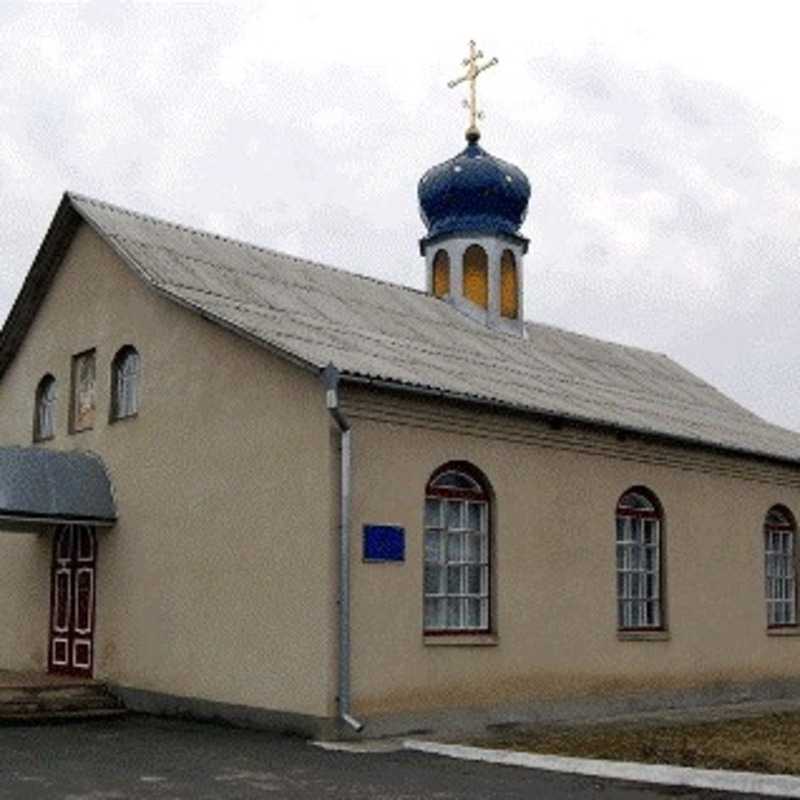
(147, 758)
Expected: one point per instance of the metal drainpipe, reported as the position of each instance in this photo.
(330, 376)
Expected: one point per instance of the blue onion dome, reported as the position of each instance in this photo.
(474, 192)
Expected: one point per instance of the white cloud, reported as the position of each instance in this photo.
(664, 161)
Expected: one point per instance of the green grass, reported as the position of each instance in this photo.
(769, 743)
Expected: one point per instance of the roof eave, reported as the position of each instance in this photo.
(65, 223)
(134, 266)
(561, 419)
(11, 522)
(37, 282)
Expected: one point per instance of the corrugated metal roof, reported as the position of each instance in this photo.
(54, 485)
(370, 329)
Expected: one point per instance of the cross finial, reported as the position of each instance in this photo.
(473, 70)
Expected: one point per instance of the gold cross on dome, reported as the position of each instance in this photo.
(473, 70)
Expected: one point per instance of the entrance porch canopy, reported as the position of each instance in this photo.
(41, 487)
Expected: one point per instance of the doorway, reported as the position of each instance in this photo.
(72, 601)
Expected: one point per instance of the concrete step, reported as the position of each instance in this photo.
(41, 701)
(11, 694)
(57, 704)
(63, 716)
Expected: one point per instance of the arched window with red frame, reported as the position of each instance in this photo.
(780, 570)
(457, 551)
(639, 553)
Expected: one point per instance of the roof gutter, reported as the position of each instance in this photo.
(22, 523)
(562, 418)
(330, 377)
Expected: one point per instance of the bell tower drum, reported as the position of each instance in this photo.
(473, 206)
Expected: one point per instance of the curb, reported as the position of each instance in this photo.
(363, 746)
(661, 774)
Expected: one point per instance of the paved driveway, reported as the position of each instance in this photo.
(153, 759)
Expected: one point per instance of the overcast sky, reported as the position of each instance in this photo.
(662, 141)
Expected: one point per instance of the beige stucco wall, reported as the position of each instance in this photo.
(216, 581)
(554, 562)
(219, 580)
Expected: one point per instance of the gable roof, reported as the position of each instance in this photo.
(399, 337)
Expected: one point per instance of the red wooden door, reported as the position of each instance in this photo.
(72, 601)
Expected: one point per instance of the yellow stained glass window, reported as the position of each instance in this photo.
(476, 275)
(509, 291)
(441, 274)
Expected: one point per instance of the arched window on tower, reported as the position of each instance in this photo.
(476, 275)
(441, 273)
(780, 571)
(44, 426)
(125, 383)
(509, 286)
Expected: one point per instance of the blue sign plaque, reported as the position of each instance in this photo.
(384, 543)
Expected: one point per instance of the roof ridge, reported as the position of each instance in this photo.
(340, 270)
(554, 376)
(530, 376)
(696, 379)
(237, 242)
(559, 329)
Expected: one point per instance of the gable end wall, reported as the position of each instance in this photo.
(217, 581)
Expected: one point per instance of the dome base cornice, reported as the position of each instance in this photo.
(428, 241)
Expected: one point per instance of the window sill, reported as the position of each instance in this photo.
(461, 640)
(643, 636)
(115, 420)
(794, 630)
(78, 431)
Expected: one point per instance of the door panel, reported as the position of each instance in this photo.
(72, 601)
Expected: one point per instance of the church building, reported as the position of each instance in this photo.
(235, 483)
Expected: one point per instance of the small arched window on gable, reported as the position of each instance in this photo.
(780, 569)
(476, 275)
(125, 379)
(509, 286)
(441, 274)
(639, 587)
(44, 422)
(457, 551)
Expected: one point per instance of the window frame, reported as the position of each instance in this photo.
(479, 494)
(654, 513)
(509, 285)
(440, 274)
(787, 526)
(475, 275)
(117, 364)
(47, 381)
(73, 396)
